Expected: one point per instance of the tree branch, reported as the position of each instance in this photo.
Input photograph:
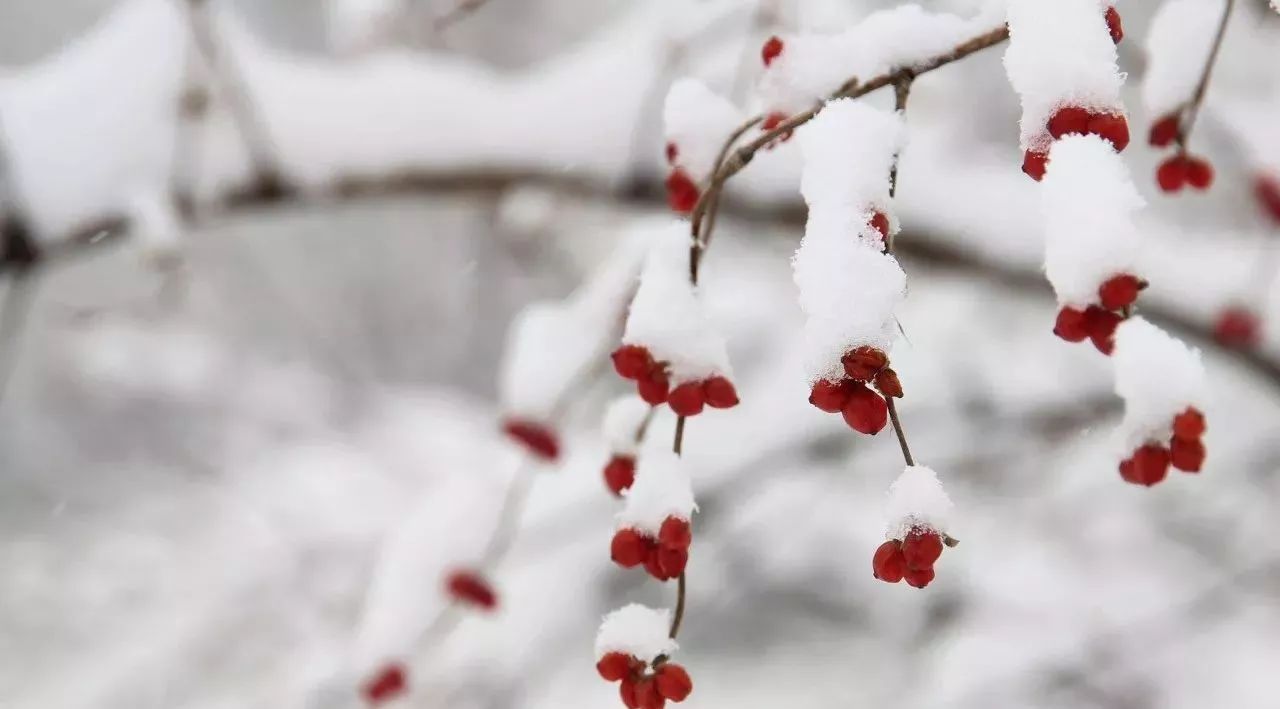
(1192, 108)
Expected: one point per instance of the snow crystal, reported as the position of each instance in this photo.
(667, 315)
(1178, 45)
(1158, 377)
(1088, 201)
(662, 489)
(916, 499)
(1060, 53)
(636, 630)
(698, 121)
(622, 421)
(848, 150)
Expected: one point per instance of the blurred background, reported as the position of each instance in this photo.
(250, 414)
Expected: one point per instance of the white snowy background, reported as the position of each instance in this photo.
(239, 484)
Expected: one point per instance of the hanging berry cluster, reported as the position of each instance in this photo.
(633, 648)
(1150, 463)
(863, 409)
(653, 383)
(653, 529)
(918, 513)
(1097, 322)
(696, 121)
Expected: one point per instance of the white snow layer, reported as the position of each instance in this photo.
(622, 421)
(1178, 44)
(1060, 53)
(668, 316)
(848, 150)
(1088, 200)
(636, 630)
(916, 499)
(697, 121)
(662, 489)
(1158, 376)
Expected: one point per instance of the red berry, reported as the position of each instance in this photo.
(1186, 455)
(1237, 326)
(865, 411)
(1199, 173)
(1113, 25)
(647, 695)
(1127, 472)
(771, 49)
(469, 587)
(888, 384)
(687, 399)
(880, 222)
(627, 690)
(620, 473)
(921, 548)
(653, 564)
(1034, 164)
(719, 393)
(386, 685)
(1067, 120)
(682, 192)
(1119, 292)
(1267, 189)
(1172, 174)
(918, 578)
(1112, 127)
(614, 666)
(1150, 464)
(672, 153)
(673, 682)
(862, 363)
(675, 533)
(1189, 425)
(654, 386)
(1071, 325)
(828, 396)
(1164, 131)
(1101, 325)
(888, 563)
(632, 361)
(672, 561)
(628, 548)
(536, 438)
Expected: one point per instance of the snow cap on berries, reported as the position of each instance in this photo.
(916, 499)
(697, 120)
(636, 630)
(1178, 45)
(1060, 53)
(622, 421)
(848, 151)
(1158, 376)
(662, 489)
(667, 315)
(1088, 200)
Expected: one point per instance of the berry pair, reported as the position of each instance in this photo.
(863, 409)
(620, 473)
(910, 558)
(1068, 120)
(1180, 169)
(469, 588)
(634, 362)
(1150, 463)
(538, 439)
(640, 689)
(664, 557)
(1098, 323)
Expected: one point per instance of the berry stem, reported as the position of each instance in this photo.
(679, 614)
(1197, 98)
(897, 429)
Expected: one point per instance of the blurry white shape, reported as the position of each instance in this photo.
(1178, 45)
(527, 211)
(848, 150)
(636, 630)
(155, 225)
(697, 121)
(622, 421)
(358, 26)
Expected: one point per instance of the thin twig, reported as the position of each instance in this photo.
(1193, 105)
(897, 428)
(678, 617)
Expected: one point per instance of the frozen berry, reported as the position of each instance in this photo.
(919, 578)
(1113, 25)
(386, 685)
(865, 411)
(614, 666)
(675, 533)
(632, 361)
(828, 396)
(1119, 292)
(1189, 425)
(1071, 325)
(672, 561)
(719, 393)
(1112, 127)
(1172, 175)
(620, 473)
(653, 564)
(647, 694)
(1127, 472)
(1164, 131)
(880, 222)
(1150, 464)
(888, 384)
(469, 587)
(673, 682)
(628, 548)
(1199, 173)
(862, 363)
(687, 399)
(536, 438)
(1067, 120)
(653, 387)
(921, 548)
(1034, 164)
(1237, 326)
(627, 690)
(682, 192)
(771, 49)
(888, 563)
(1186, 455)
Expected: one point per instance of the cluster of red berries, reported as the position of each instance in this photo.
(470, 588)
(1180, 169)
(620, 473)
(682, 191)
(641, 689)
(537, 438)
(1098, 323)
(653, 383)
(863, 409)
(910, 558)
(1238, 327)
(1112, 127)
(389, 683)
(664, 557)
(1150, 464)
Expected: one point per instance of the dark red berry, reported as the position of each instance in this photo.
(1267, 189)
(888, 563)
(1068, 120)
(628, 548)
(468, 587)
(1127, 472)
(1189, 425)
(1186, 455)
(1113, 25)
(1120, 291)
(653, 564)
(647, 695)
(719, 393)
(673, 682)
(921, 548)
(536, 438)
(687, 399)
(1173, 174)
(1101, 325)
(675, 533)
(1071, 325)
(865, 411)
(654, 387)
(888, 384)
(632, 361)
(1237, 326)
(862, 363)
(1199, 173)
(1164, 131)
(1112, 127)
(1150, 464)
(918, 578)
(828, 396)
(682, 192)
(388, 684)
(1034, 164)
(880, 222)
(620, 473)
(672, 561)
(614, 666)
(627, 690)
(771, 49)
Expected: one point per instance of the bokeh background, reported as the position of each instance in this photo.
(240, 445)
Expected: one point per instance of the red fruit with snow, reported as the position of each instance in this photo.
(921, 548)
(863, 363)
(1189, 425)
(675, 533)
(632, 361)
(1119, 292)
(687, 399)
(470, 588)
(614, 666)
(888, 563)
(1034, 164)
(536, 438)
(1067, 120)
(682, 192)
(1237, 326)
(1112, 127)
(1071, 325)
(1186, 455)
(673, 682)
(771, 50)
(619, 473)
(880, 222)
(720, 393)
(629, 548)
(1114, 28)
(865, 411)
(1164, 131)
(1101, 326)
(389, 683)
(828, 396)
(654, 387)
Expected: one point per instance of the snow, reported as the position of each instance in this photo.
(357, 26)
(698, 121)
(662, 489)
(916, 499)
(1158, 376)
(157, 227)
(1060, 53)
(668, 316)
(636, 630)
(1178, 45)
(622, 421)
(848, 149)
(1088, 202)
